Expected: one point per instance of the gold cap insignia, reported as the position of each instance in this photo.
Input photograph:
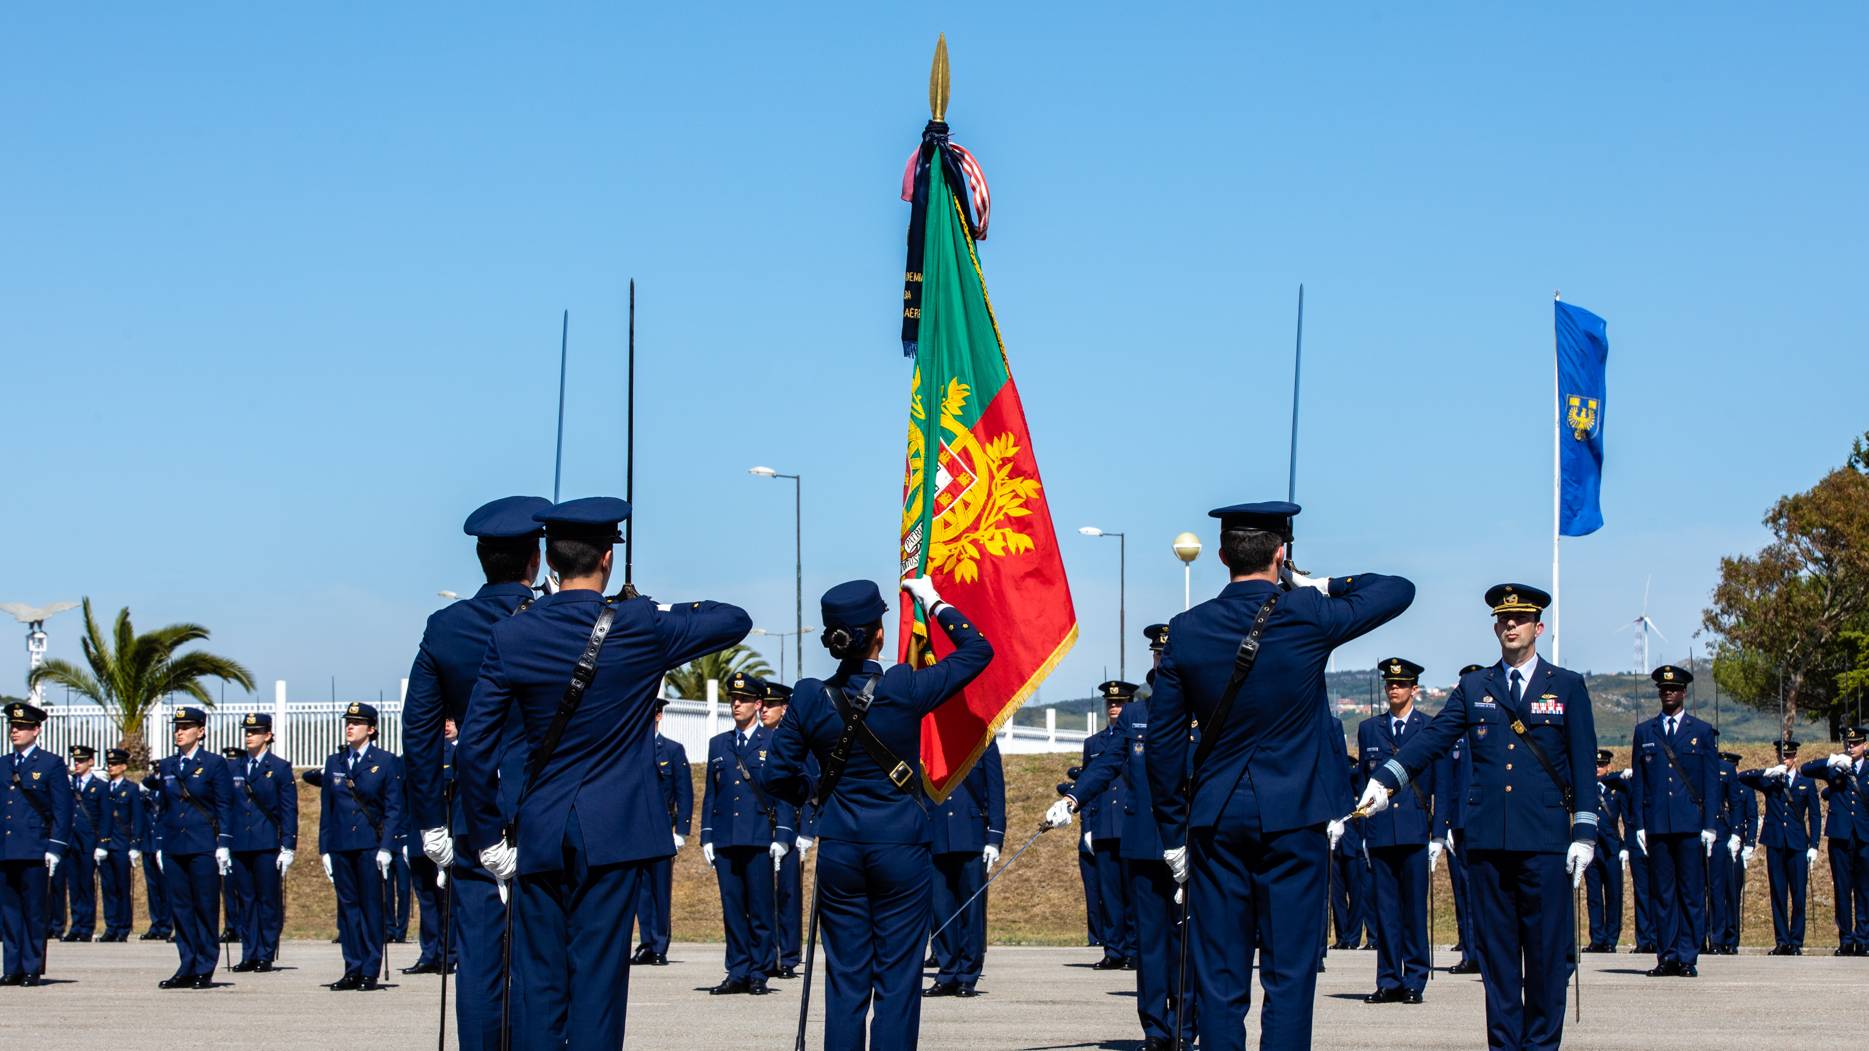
(354, 709)
(1669, 674)
(1512, 596)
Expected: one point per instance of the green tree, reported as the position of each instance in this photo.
(690, 680)
(1783, 615)
(130, 672)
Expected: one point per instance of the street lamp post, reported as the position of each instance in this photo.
(1187, 549)
(798, 557)
(1122, 594)
(782, 636)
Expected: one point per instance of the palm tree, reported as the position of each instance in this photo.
(129, 677)
(690, 680)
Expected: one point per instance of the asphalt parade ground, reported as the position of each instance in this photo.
(1034, 999)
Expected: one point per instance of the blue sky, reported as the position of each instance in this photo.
(280, 297)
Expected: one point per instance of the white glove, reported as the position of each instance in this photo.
(1177, 863)
(804, 844)
(1776, 772)
(284, 861)
(707, 852)
(99, 855)
(1641, 840)
(1375, 798)
(990, 856)
(1732, 844)
(1576, 859)
(326, 858)
(136, 858)
(223, 860)
(1810, 856)
(405, 853)
(1745, 857)
(680, 840)
(1321, 584)
(383, 859)
(1059, 814)
(1623, 856)
(1088, 844)
(1335, 831)
(1434, 855)
(441, 879)
(923, 590)
(501, 884)
(778, 852)
(1450, 842)
(1706, 840)
(159, 861)
(51, 864)
(500, 860)
(1180, 894)
(439, 846)
(1627, 773)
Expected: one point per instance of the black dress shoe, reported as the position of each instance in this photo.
(641, 955)
(658, 959)
(1686, 971)
(1370, 947)
(1664, 969)
(264, 967)
(783, 972)
(1129, 963)
(930, 963)
(1158, 1043)
(1796, 950)
(149, 936)
(757, 987)
(966, 992)
(202, 981)
(178, 981)
(243, 966)
(12, 979)
(352, 980)
(728, 988)
(30, 980)
(1340, 946)
(1108, 963)
(423, 967)
(1464, 967)
(1384, 996)
(1409, 996)
(941, 989)
(73, 937)
(1644, 949)
(228, 935)
(370, 984)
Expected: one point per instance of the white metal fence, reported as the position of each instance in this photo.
(305, 732)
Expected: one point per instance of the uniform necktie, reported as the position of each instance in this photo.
(353, 762)
(1518, 687)
(1398, 728)
(1671, 727)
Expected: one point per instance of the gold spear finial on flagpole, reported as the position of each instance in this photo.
(938, 81)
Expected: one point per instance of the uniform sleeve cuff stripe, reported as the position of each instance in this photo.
(1400, 772)
(1583, 818)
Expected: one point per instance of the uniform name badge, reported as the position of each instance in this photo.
(1486, 701)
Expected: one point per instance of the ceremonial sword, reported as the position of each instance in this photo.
(1042, 829)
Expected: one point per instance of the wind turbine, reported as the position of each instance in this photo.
(34, 618)
(1642, 626)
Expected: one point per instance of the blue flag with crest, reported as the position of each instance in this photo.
(1582, 360)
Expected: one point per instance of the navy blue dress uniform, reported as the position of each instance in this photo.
(1396, 842)
(655, 902)
(120, 839)
(401, 883)
(197, 821)
(873, 869)
(266, 837)
(79, 874)
(236, 891)
(441, 679)
(1254, 829)
(1086, 869)
(1151, 885)
(1675, 806)
(1450, 822)
(360, 827)
(1734, 832)
(35, 833)
(970, 821)
(1789, 834)
(1103, 833)
(740, 824)
(155, 887)
(1603, 879)
(1519, 835)
(591, 822)
(787, 877)
(1349, 880)
(425, 884)
(1846, 790)
(1639, 887)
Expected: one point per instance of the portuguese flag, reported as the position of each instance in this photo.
(974, 513)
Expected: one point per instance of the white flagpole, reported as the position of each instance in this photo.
(1557, 495)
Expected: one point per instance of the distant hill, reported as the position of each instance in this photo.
(1622, 699)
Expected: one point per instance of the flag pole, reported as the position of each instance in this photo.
(1557, 494)
(558, 453)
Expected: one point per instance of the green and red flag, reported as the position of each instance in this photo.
(974, 512)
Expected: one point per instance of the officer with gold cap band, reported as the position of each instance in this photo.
(118, 847)
(36, 820)
(197, 840)
(1674, 801)
(1789, 835)
(266, 838)
(1533, 734)
(1846, 786)
(79, 878)
(360, 825)
(1400, 842)
(745, 834)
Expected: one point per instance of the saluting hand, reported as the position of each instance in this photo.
(923, 591)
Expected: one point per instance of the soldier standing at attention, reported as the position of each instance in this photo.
(1532, 730)
(744, 836)
(1103, 835)
(87, 821)
(787, 894)
(1846, 785)
(1400, 849)
(1789, 835)
(197, 845)
(447, 663)
(1603, 879)
(864, 725)
(1249, 837)
(968, 829)
(1450, 810)
(155, 887)
(655, 902)
(118, 848)
(1674, 801)
(1349, 904)
(359, 828)
(36, 820)
(590, 818)
(266, 838)
(235, 891)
